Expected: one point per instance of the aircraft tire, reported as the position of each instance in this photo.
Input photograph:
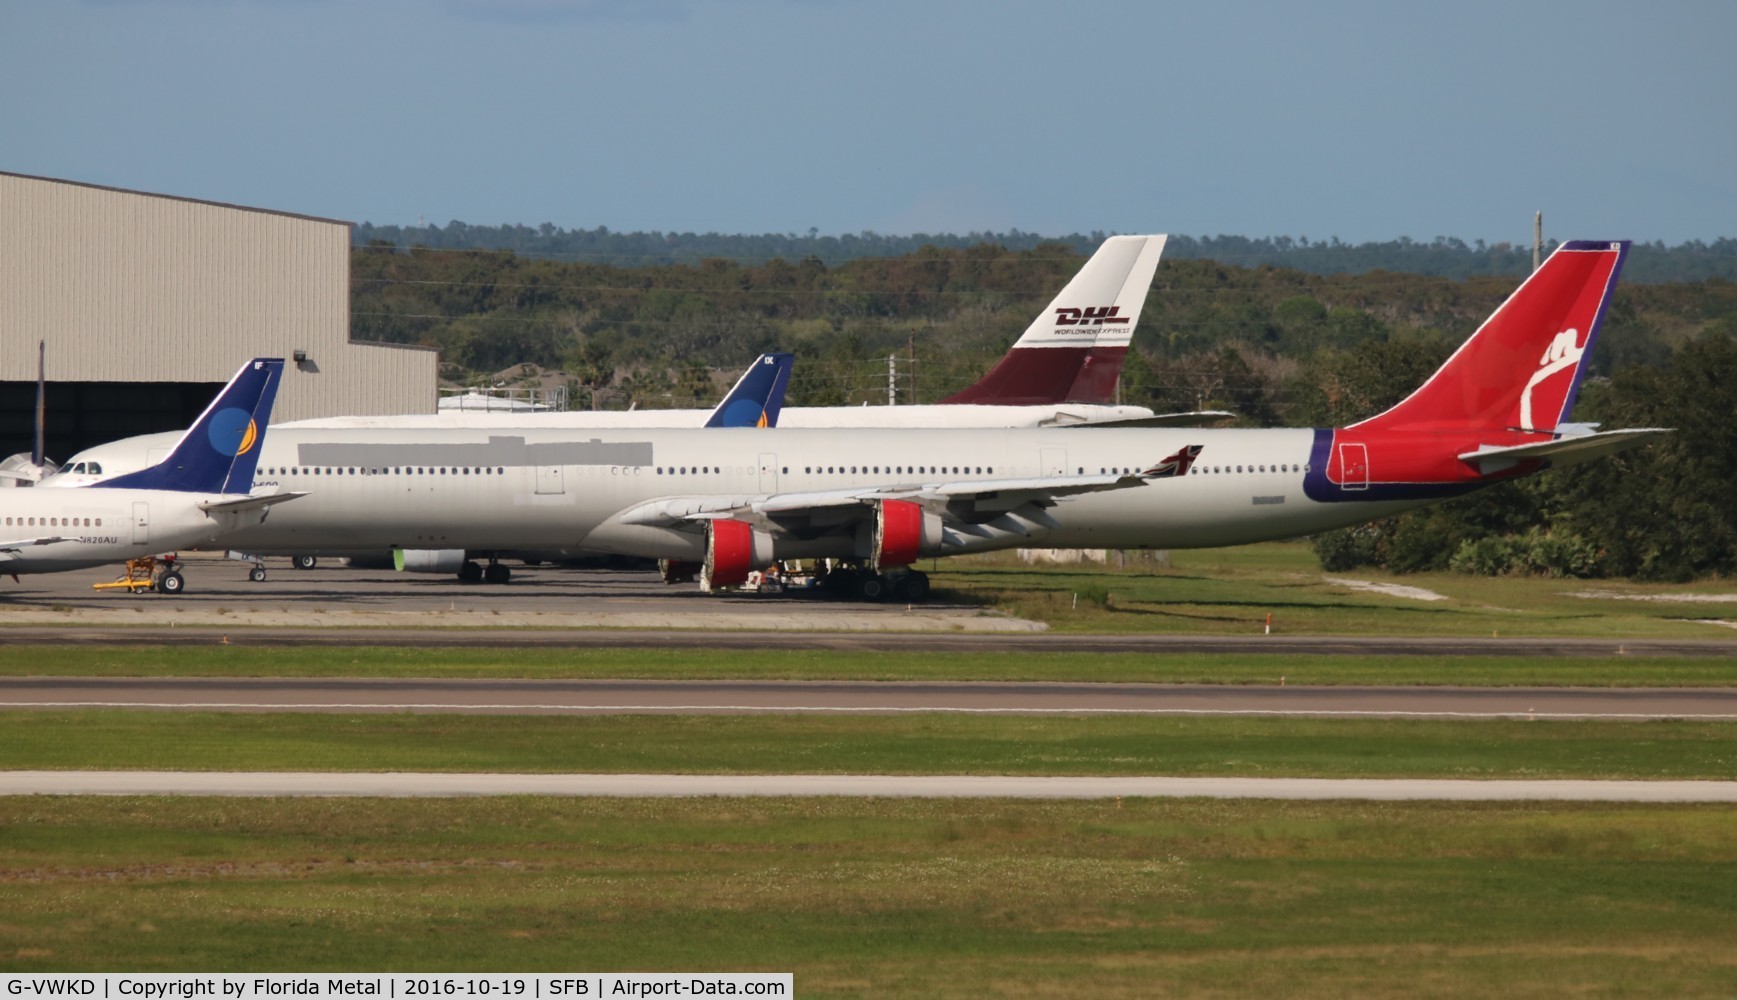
(256, 574)
(497, 573)
(871, 587)
(304, 562)
(915, 586)
(171, 583)
(470, 572)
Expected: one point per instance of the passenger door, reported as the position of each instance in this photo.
(549, 479)
(1354, 465)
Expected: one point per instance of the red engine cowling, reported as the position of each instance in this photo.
(898, 534)
(733, 550)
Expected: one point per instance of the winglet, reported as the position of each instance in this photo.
(219, 453)
(758, 395)
(1072, 352)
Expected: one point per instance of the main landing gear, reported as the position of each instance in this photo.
(858, 583)
(495, 572)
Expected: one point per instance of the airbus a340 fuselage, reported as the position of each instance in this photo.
(480, 490)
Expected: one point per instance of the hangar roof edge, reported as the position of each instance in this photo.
(173, 197)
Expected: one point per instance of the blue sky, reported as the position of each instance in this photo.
(1361, 120)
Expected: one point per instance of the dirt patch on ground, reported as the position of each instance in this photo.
(1390, 589)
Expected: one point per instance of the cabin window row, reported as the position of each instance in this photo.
(898, 470)
(404, 470)
(1207, 470)
(53, 522)
(710, 470)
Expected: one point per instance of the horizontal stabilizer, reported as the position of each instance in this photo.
(1562, 451)
(236, 505)
(14, 546)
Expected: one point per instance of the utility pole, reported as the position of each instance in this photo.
(893, 379)
(1537, 240)
(911, 348)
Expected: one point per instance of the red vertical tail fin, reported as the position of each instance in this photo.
(1523, 367)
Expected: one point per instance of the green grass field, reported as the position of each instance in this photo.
(920, 744)
(1231, 591)
(891, 897)
(242, 660)
(910, 897)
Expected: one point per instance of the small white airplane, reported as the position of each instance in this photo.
(729, 501)
(198, 492)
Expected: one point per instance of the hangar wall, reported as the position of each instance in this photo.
(128, 287)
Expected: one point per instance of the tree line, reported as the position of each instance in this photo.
(1443, 256)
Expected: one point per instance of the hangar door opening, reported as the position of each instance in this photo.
(82, 414)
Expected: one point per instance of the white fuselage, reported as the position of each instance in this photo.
(99, 526)
(519, 489)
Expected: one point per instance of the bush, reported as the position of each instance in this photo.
(1348, 548)
(1487, 556)
(1536, 552)
(1557, 555)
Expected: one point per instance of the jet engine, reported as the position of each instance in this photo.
(428, 560)
(733, 550)
(903, 532)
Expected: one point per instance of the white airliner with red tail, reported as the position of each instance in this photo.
(730, 501)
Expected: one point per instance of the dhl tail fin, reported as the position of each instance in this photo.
(1072, 353)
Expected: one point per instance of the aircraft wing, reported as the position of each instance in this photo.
(672, 511)
(1570, 450)
(960, 504)
(24, 543)
(235, 505)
